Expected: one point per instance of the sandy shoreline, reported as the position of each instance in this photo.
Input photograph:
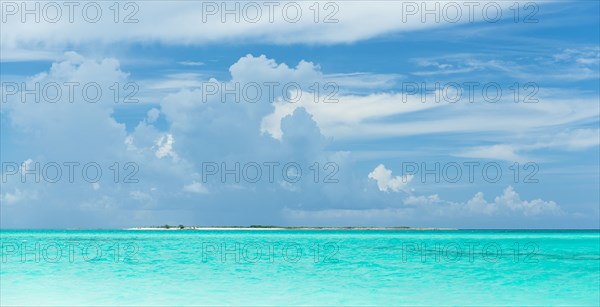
(283, 228)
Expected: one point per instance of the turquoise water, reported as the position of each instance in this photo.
(300, 267)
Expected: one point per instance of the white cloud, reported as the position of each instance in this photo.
(576, 139)
(26, 166)
(176, 81)
(24, 54)
(384, 179)
(165, 146)
(195, 187)
(351, 117)
(382, 115)
(152, 115)
(479, 205)
(17, 196)
(140, 196)
(182, 23)
(194, 124)
(422, 200)
(500, 152)
(51, 129)
(571, 140)
(511, 200)
(508, 203)
(191, 63)
(419, 210)
(584, 56)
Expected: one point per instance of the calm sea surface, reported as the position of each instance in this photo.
(300, 267)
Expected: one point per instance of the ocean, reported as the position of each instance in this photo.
(300, 267)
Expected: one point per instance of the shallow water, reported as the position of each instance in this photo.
(300, 267)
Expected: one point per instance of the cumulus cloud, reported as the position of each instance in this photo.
(152, 115)
(225, 131)
(164, 146)
(419, 210)
(508, 203)
(385, 181)
(83, 132)
(385, 114)
(511, 200)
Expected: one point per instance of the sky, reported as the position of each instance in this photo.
(305, 113)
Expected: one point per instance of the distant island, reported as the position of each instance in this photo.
(269, 227)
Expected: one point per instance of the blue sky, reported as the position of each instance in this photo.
(369, 61)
